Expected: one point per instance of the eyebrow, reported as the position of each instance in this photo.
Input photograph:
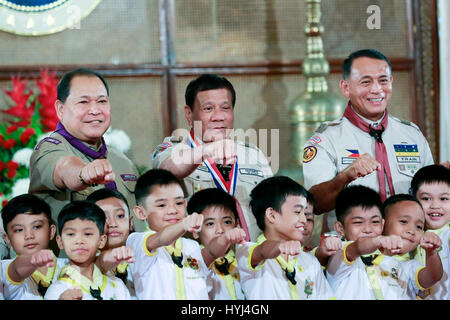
(362, 218)
(165, 199)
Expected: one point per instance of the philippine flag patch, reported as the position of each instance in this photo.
(352, 153)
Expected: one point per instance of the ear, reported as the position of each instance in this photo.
(188, 115)
(131, 218)
(140, 213)
(103, 240)
(339, 227)
(344, 85)
(6, 238)
(382, 224)
(52, 231)
(270, 215)
(59, 109)
(59, 242)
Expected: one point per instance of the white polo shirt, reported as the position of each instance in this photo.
(154, 272)
(267, 281)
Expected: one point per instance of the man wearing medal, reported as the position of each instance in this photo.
(209, 156)
(74, 160)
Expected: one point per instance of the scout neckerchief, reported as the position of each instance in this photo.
(94, 287)
(371, 261)
(44, 281)
(121, 272)
(177, 257)
(224, 266)
(421, 253)
(288, 268)
(77, 144)
(380, 149)
(227, 185)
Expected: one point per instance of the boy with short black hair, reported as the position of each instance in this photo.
(81, 234)
(275, 267)
(119, 224)
(363, 269)
(29, 230)
(404, 217)
(168, 266)
(218, 235)
(431, 186)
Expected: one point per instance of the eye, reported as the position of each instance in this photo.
(376, 221)
(103, 101)
(70, 234)
(88, 234)
(161, 205)
(180, 203)
(228, 221)
(420, 228)
(425, 198)
(17, 230)
(121, 216)
(83, 102)
(209, 224)
(444, 198)
(403, 222)
(37, 227)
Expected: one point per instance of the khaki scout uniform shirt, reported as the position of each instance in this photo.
(43, 162)
(338, 143)
(253, 168)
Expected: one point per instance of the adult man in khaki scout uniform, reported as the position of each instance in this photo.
(208, 157)
(74, 161)
(366, 146)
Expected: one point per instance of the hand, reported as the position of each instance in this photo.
(97, 172)
(361, 167)
(330, 245)
(71, 294)
(291, 248)
(221, 151)
(392, 243)
(235, 235)
(42, 258)
(430, 242)
(193, 223)
(123, 254)
(446, 164)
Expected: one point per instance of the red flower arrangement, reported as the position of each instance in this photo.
(33, 114)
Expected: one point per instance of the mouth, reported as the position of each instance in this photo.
(80, 251)
(435, 216)
(93, 122)
(301, 228)
(31, 245)
(376, 101)
(173, 220)
(114, 234)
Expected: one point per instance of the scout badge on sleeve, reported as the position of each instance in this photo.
(309, 153)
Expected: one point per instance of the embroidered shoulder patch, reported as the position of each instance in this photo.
(128, 177)
(309, 153)
(315, 140)
(160, 148)
(47, 139)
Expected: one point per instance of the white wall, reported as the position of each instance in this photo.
(444, 52)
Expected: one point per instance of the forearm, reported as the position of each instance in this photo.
(105, 261)
(21, 268)
(67, 173)
(361, 247)
(269, 249)
(325, 193)
(183, 162)
(432, 272)
(166, 236)
(217, 247)
(322, 257)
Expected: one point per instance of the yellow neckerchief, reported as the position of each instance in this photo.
(179, 281)
(420, 252)
(227, 278)
(373, 276)
(45, 280)
(402, 258)
(285, 265)
(72, 275)
(122, 268)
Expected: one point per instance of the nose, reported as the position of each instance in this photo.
(367, 228)
(171, 209)
(94, 108)
(376, 87)
(434, 203)
(218, 114)
(219, 228)
(29, 234)
(111, 223)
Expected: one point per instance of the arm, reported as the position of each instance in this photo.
(328, 246)
(433, 270)
(169, 234)
(110, 259)
(326, 192)
(23, 266)
(183, 162)
(271, 249)
(69, 169)
(366, 245)
(219, 246)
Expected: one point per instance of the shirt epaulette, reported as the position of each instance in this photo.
(324, 125)
(406, 122)
(176, 139)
